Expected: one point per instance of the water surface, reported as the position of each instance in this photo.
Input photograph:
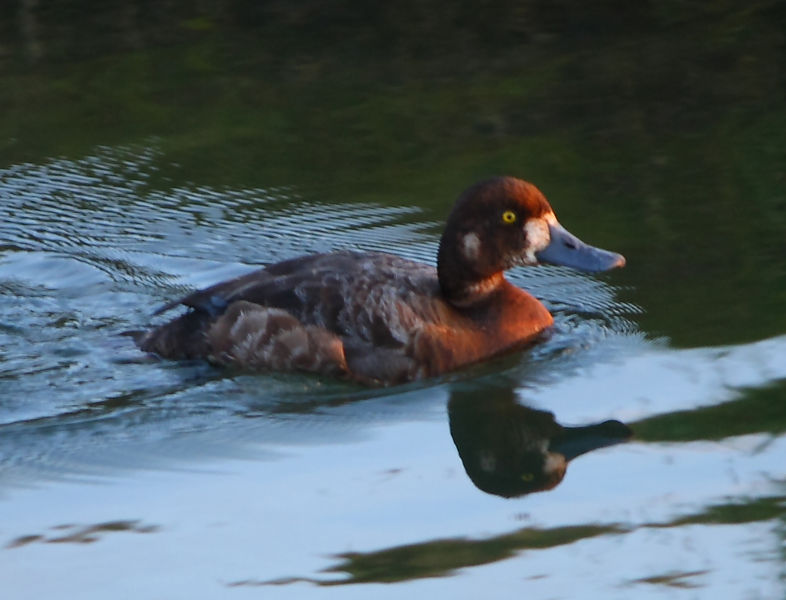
(125, 476)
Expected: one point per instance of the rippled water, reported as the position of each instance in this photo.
(92, 249)
(195, 482)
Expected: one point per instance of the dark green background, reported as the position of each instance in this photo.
(656, 129)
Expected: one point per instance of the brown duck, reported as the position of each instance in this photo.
(379, 318)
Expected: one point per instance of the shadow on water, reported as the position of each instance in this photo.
(509, 449)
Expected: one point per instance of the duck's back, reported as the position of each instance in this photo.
(375, 297)
(375, 304)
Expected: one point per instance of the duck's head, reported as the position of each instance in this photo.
(501, 223)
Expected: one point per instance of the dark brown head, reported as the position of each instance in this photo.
(500, 223)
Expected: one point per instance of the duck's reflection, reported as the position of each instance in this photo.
(510, 450)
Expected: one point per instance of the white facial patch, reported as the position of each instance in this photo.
(470, 246)
(554, 464)
(538, 237)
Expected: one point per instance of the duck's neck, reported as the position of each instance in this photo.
(464, 283)
(476, 293)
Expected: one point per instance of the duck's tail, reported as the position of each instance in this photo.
(184, 337)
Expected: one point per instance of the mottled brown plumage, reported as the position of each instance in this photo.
(379, 318)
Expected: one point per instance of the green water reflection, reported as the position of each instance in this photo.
(656, 128)
(440, 558)
(88, 534)
(759, 410)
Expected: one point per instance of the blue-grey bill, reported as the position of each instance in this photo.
(566, 250)
(575, 441)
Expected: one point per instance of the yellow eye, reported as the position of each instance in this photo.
(508, 217)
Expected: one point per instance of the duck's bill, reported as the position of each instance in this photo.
(566, 250)
(575, 441)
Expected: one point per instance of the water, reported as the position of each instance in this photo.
(125, 476)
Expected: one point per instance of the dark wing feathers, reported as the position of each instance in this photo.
(371, 296)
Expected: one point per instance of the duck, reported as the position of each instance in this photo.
(380, 319)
